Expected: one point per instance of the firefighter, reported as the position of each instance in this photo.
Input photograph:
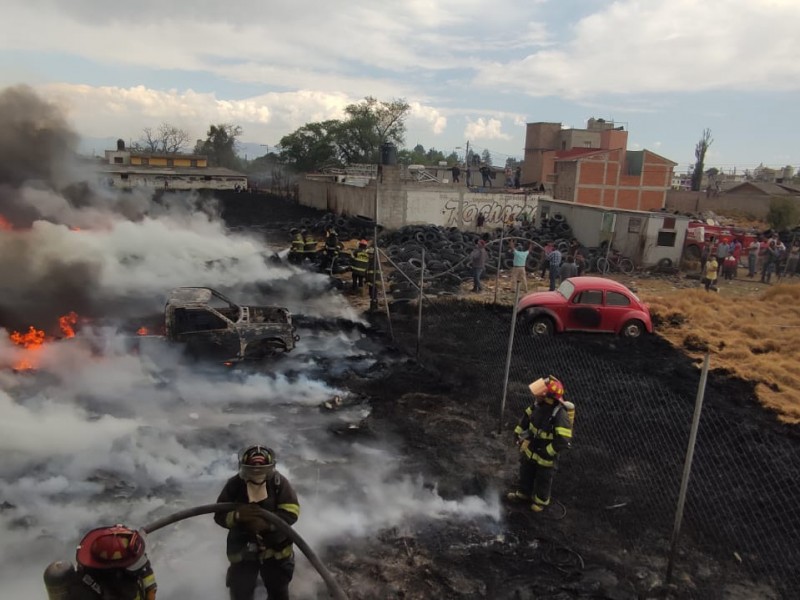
(359, 262)
(298, 248)
(112, 565)
(309, 245)
(254, 545)
(543, 432)
(331, 249)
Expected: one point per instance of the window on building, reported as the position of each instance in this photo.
(669, 223)
(587, 144)
(170, 162)
(193, 162)
(117, 160)
(207, 178)
(634, 225)
(590, 297)
(564, 145)
(666, 238)
(123, 176)
(617, 299)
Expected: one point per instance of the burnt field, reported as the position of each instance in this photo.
(609, 534)
(400, 487)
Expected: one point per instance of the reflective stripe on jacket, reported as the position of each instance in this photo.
(309, 245)
(298, 244)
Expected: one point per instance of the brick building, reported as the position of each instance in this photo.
(593, 166)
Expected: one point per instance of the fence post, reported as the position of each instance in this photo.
(508, 360)
(383, 289)
(687, 468)
(419, 311)
(499, 263)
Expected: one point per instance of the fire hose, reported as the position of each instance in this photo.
(334, 589)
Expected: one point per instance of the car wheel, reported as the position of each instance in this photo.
(541, 326)
(632, 329)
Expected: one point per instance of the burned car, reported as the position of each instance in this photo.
(212, 326)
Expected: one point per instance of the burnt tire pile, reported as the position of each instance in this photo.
(447, 252)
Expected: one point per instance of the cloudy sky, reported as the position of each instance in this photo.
(471, 70)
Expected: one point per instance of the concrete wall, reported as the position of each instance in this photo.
(175, 182)
(403, 203)
(756, 205)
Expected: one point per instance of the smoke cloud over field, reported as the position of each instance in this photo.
(108, 427)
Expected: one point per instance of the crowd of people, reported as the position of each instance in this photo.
(767, 255)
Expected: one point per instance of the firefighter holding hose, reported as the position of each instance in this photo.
(254, 545)
(112, 565)
(543, 432)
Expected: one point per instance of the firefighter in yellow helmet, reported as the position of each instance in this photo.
(543, 432)
(112, 565)
(359, 262)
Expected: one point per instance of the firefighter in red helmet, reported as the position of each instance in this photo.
(112, 565)
(254, 546)
(543, 432)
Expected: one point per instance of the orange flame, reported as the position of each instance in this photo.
(4, 224)
(142, 331)
(66, 324)
(33, 340)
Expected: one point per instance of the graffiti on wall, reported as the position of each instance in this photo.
(496, 213)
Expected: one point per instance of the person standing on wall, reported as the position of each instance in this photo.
(456, 173)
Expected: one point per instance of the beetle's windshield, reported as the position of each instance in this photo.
(566, 288)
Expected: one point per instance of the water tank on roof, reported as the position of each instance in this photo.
(120, 145)
(388, 154)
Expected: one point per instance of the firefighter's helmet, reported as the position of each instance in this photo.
(549, 387)
(256, 463)
(116, 547)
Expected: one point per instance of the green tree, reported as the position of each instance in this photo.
(220, 146)
(369, 124)
(312, 147)
(783, 214)
(700, 150)
(486, 157)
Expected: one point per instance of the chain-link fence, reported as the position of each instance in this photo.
(635, 400)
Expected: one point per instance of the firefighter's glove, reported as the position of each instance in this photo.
(250, 517)
(523, 445)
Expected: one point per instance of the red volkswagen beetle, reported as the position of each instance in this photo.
(585, 304)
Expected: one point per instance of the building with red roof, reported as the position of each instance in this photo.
(593, 166)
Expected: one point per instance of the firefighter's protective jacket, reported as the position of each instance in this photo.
(245, 545)
(114, 584)
(360, 261)
(545, 430)
(298, 244)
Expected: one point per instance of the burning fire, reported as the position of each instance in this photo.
(4, 224)
(142, 331)
(66, 324)
(33, 340)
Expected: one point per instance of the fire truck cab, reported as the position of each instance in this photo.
(700, 233)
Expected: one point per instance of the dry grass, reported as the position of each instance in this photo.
(753, 335)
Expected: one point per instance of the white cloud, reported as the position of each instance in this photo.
(430, 115)
(632, 47)
(485, 129)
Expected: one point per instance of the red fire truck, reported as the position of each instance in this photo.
(701, 233)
